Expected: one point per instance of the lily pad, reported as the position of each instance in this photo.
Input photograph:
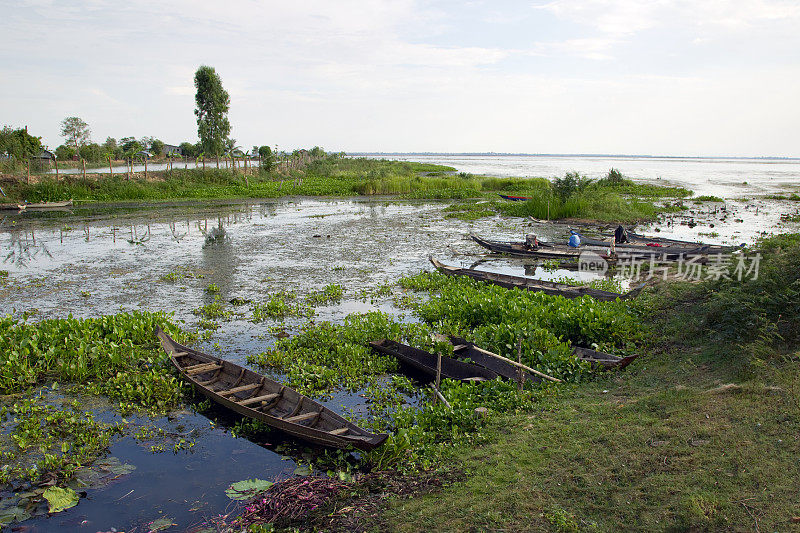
(246, 489)
(303, 470)
(60, 499)
(160, 524)
(13, 514)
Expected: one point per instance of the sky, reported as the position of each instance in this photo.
(662, 77)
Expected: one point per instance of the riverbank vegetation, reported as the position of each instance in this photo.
(677, 441)
(700, 433)
(612, 198)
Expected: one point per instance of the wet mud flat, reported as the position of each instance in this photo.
(100, 261)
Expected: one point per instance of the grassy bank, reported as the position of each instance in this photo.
(700, 434)
(568, 197)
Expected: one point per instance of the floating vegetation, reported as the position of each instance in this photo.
(40, 439)
(214, 310)
(180, 273)
(330, 294)
(212, 288)
(280, 305)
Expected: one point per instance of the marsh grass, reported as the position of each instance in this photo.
(699, 434)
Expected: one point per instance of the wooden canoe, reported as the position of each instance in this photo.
(467, 350)
(529, 284)
(425, 362)
(602, 359)
(12, 207)
(514, 198)
(258, 397)
(563, 251)
(686, 248)
(49, 205)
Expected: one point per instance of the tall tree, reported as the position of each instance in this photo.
(213, 103)
(75, 131)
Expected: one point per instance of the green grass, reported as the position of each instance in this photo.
(707, 198)
(699, 434)
(618, 200)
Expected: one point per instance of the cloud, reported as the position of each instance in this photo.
(627, 17)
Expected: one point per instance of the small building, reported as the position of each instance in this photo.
(172, 150)
(45, 155)
(143, 154)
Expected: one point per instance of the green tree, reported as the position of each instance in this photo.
(65, 153)
(19, 143)
(156, 146)
(188, 149)
(213, 103)
(267, 158)
(75, 131)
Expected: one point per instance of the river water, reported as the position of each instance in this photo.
(103, 259)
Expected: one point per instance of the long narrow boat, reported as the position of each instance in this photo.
(529, 284)
(603, 359)
(258, 397)
(425, 362)
(49, 205)
(467, 350)
(562, 251)
(663, 247)
(514, 198)
(12, 207)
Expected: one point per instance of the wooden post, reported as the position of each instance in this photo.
(217, 162)
(186, 162)
(110, 168)
(520, 375)
(145, 167)
(83, 163)
(519, 365)
(128, 169)
(438, 376)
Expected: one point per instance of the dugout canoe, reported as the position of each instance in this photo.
(467, 350)
(514, 198)
(261, 398)
(425, 362)
(668, 247)
(530, 284)
(563, 251)
(49, 205)
(602, 359)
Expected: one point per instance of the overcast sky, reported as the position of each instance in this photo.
(665, 77)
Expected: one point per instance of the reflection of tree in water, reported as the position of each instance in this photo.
(219, 258)
(23, 248)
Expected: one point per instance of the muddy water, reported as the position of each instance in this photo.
(105, 259)
(89, 262)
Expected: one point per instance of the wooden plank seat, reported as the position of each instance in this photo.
(239, 389)
(257, 399)
(339, 431)
(201, 368)
(305, 416)
(179, 354)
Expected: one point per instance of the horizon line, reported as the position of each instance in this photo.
(608, 156)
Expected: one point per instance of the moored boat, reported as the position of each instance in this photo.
(467, 350)
(602, 359)
(660, 246)
(49, 205)
(514, 198)
(12, 207)
(261, 398)
(425, 362)
(529, 284)
(563, 251)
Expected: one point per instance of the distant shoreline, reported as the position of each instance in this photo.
(602, 156)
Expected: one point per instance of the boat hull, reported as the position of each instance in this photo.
(255, 396)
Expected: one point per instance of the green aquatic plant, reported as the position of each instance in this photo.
(329, 294)
(214, 310)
